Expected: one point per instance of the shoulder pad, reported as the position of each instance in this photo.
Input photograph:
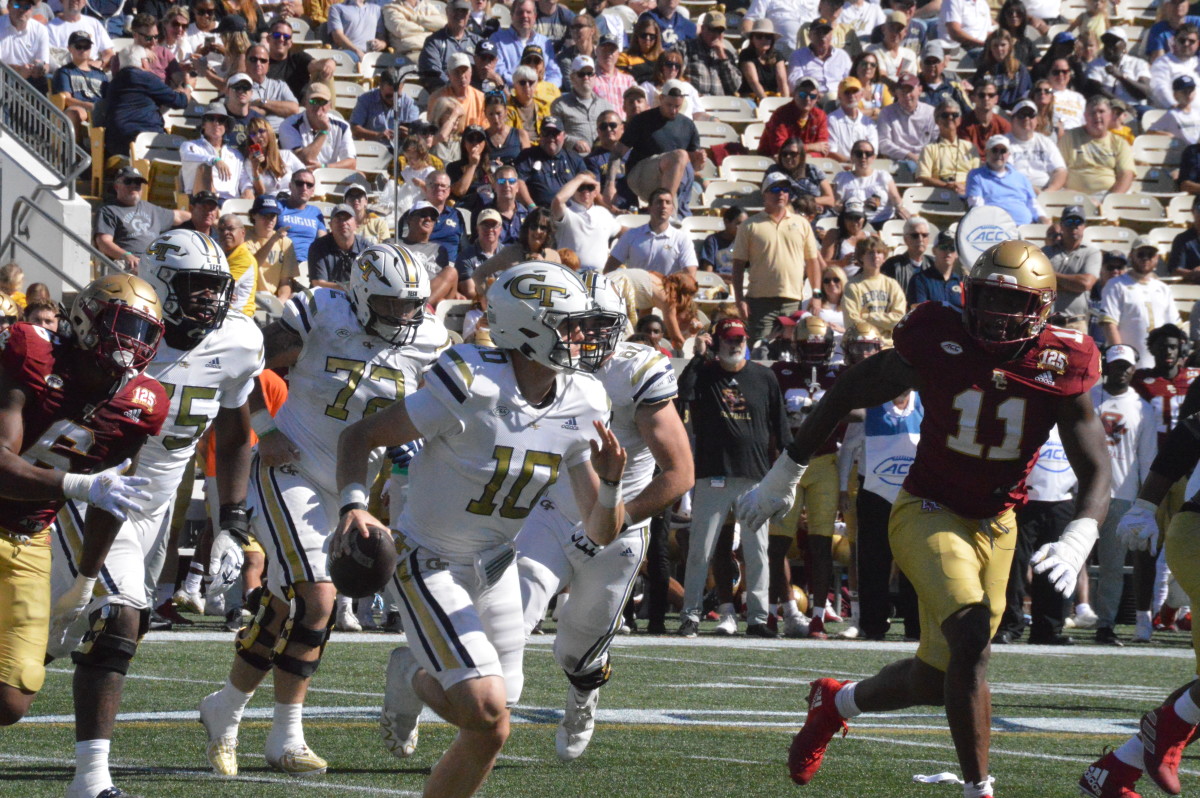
(466, 371)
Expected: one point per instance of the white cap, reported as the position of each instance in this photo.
(1116, 33)
(1121, 352)
(582, 62)
(1023, 105)
(997, 141)
(460, 60)
(673, 88)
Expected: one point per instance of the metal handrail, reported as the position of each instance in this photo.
(27, 115)
(18, 237)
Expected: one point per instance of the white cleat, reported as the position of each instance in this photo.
(795, 626)
(222, 748)
(578, 723)
(1143, 630)
(299, 761)
(214, 605)
(851, 631)
(184, 600)
(727, 626)
(401, 705)
(345, 620)
(1086, 619)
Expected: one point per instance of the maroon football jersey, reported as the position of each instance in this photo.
(63, 427)
(1166, 396)
(803, 386)
(985, 419)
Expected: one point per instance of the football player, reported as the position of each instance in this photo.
(500, 427)
(994, 379)
(553, 551)
(350, 354)
(72, 415)
(206, 363)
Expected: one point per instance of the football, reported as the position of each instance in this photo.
(368, 565)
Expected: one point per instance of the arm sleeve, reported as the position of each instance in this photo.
(850, 308)
(317, 266)
(1147, 443)
(1110, 304)
(974, 188)
(925, 164)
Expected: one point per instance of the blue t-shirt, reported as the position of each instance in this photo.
(303, 225)
(87, 87)
(1161, 34)
(718, 253)
(371, 112)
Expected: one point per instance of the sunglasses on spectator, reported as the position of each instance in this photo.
(779, 189)
(871, 64)
(132, 181)
(917, 235)
(206, 12)
(1043, 91)
(526, 82)
(806, 95)
(1115, 267)
(830, 280)
(287, 37)
(81, 46)
(586, 73)
(672, 65)
(303, 183)
(1060, 72)
(541, 228)
(588, 187)
(1145, 254)
(648, 36)
(607, 126)
(177, 24)
(1024, 113)
(259, 60)
(317, 102)
(1072, 222)
(506, 181)
(988, 94)
(863, 154)
(949, 115)
(789, 153)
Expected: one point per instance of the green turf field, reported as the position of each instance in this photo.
(705, 717)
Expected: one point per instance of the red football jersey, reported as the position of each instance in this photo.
(63, 427)
(1166, 396)
(803, 386)
(985, 419)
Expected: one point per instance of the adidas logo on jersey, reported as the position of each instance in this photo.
(215, 363)
(628, 552)
(134, 413)
(571, 424)
(1045, 377)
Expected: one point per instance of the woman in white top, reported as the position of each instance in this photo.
(833, 283)
(174, 35)
(207, 163)
(875, 189)
(839, 242)
(268, 169)
(1068, 103)
(1182, 121)
(670, 67)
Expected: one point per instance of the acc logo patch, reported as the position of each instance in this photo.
(500, 411)
(54, 381)
(1053, 360)
(952, 348)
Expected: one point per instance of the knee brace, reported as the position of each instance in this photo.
(296, 632)
(257, 634)
(102, 648)
(587, 682)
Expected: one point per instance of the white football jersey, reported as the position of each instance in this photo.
(343, 374)
(490, 455)
(635, 375)
(219, 372)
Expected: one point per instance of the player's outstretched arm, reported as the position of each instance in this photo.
(662, 429)
(597, 487)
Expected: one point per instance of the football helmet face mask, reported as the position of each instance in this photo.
(388, 291)
(1008, 296)
(812, 340)
(860, 341)
(118, 319)
(603, 332)
(191, 276)
(541, 309)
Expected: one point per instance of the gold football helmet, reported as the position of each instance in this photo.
(1008, 295)
(119, 319)
(812, 340)
(9, 312)
(860, 341)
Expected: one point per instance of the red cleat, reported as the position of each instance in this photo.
(822, 723)
(816, 629)
(1109, 777)
(1165, 620)
(1164, 735)
(168, 611)
(1185, 622)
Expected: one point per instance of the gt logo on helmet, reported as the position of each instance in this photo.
(527, 286)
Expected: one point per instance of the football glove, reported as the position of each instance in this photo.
(772, 497)
(1061, 561)
(403, 454)
(110, 490)
(1138, 528)
(224, 562)
(65, 612)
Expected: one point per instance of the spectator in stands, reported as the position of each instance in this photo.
(1137, 302)
(82, 83)
(12, 278)
(876, 92)
(1076, 266)
(1184, 260)
(25, 43)
(840, 242)
(611, 83)
(226, 55)
(581, 41)
(787, 18)
(580, 108)
(71, 20)
(418, 225)
(1098, 161)
(645, 46)
(133, 100)
(582, 224)
(511, 43)
(615, 192)
(459, 89)
(1015, 18)
(712, 63)
(331, 257)
(372, 226)
(483, 245)
(1000, 65)
(317, 138)
(1042, 97)
(43, 314)
(1182, 122)
(175, 40)
(849, 123)
(662, 144)
(669, 68)
(656, 246)
(208, 162)
(874, 188)
(895, 59)
(967, 22)
(780, 250)
(764, 70)
(716, 253)
(205, 208)
(946, 162)
(915, 258)
(807, 180)
(1180, 61)
(1033, 154)
(203, 29)
(676, 27)
(356, 27)
(1174, 15)
(862, 18)
(633, 102)
(934, 88)
(304, 223)
(266, 168)
(820, 61)
(269, 96)
(547, 166)
(525, 110)
(941, 281)
(378, 111)
(483, 74)
(162, 62)
(126, 227)
(450, 225)
(239, 95)
(907, 125)
(512, 212)
(999, 185)
(872, 296)
(1125, 77)
(982, 123)
(272, 249)
(535, 242)
(230, 234)
(554, 21)
(801, 118)
(468, 175)
(294, 67)
(1188, 178)
(409, 23)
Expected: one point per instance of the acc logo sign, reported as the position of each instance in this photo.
(952, 348)
(1053, 459)
(527, 286)
(893, 470)
(988, 234)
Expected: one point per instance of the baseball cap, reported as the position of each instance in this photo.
(341, 208)
(933, 49)
(232, 23)
(421, 206)
(1183, 83)
(489, 215)
(1120, 352)
(1073, 212)
(474, 131)
(238, 79)
(1064, 38)
(460, 60)
(79, 37)
(551, 123)
(674, 88)
(854, 208)
(458, 5)
(775, 179)
(713, 20)
(820, 23)
(129, 173)
(908, 79)
(201, 197)
(806, 83)
(486, 47)
(945, 241)
(265, 204)
(634, 91)
(1143, 242)
(582, 62)
(318, 90)
(354, 188)
(533, 51)
(898, 18)
(609, 40)
(1116, 254)
(849, 84)
(1115, 33)
(730, 328)
(1024, 105)
(997, 141)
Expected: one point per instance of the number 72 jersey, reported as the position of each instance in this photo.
(985, 418)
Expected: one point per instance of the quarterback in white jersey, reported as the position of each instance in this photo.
(501, 426)
(553, 552)
(350, 354)
(207, 363)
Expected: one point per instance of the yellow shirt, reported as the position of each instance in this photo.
(244, 268)
(281, 265)
(944, 160)
(776, 254)
(1092, 164)
(878, 300)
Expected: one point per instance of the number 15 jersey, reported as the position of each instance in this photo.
(489, 454)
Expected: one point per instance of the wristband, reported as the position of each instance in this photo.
(818, 294)
(348, 506)
(609, 493)
(234, 519)
(77, 486)
(262, 422)
(354, 493)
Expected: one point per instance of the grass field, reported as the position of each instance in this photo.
(705, 717)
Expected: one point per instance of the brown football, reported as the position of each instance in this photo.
(368, 565)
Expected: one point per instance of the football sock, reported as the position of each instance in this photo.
(1083, 608)
(1186, 708)
(232, 703)
(287, 728)
(1131, 753)
(788, 609)
(815, 610)
(91, 765)
(163, 594)
(843, 700)
(854, 605)
(194, 578)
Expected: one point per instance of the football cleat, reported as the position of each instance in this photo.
(1109, 777)
(761, 630)
(1165, 620)
(299, 761)
(578, 723)
(107, 792)
(831, 615)
(795, 626)
(168, 613)
(1143, 629)
(1086, 619)
(345, 619)
(192, 602)
(401, 705)
(222, 748)
(214, 604)
(816, 629)
(851, 632)
(688, 628)
(823, 722)
(1164, 735)
(727, 626)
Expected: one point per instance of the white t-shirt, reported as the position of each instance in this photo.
(1183, 125)
(1036, 158)
(18, 48)
(1163, 72)
(1130, 66)
(1129, 428)
(587, 232)
(975, 17)
(1136, 309)
(904, 60)
(271, 183)
(863, 17)
(197, 152)
(847, 187)
(844, 131)
(60, 31)
(1068, 108)
(1051, 479)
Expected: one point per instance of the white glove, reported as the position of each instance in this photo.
(224, 562)
(1062, 561)
(65, 612)
(1138, 528)
(109, 490)
(771, 498)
